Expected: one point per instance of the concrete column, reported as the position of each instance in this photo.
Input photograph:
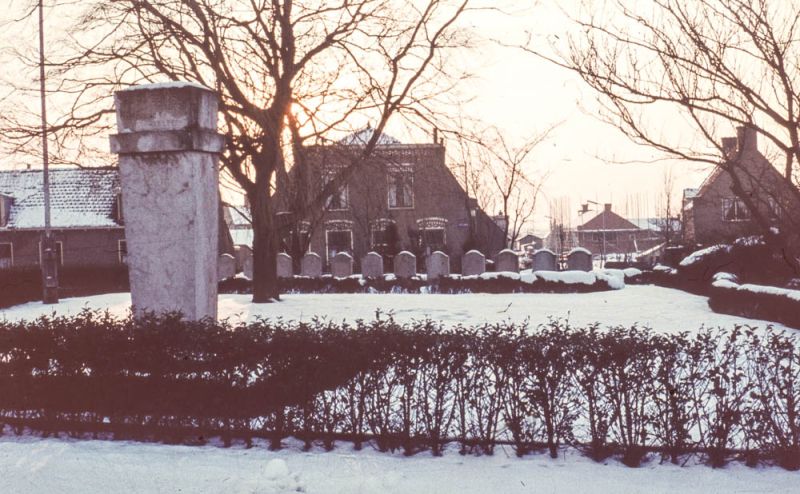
(168, 149)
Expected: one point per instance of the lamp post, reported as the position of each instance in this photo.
(48, 260)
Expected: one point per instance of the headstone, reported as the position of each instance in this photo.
(473, 263)
(342, 265)
(544, 260)
(226, 267)
(438, 265)
(311, 265)
(372, 265)
(168, 149)
(579, 259)
(405, 264)
(242, 252)
(283, 264)
(507, 260)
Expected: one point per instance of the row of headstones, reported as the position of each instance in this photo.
(437, 264)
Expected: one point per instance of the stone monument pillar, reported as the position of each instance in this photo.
(168, 149)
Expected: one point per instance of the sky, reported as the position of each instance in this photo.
(522, 95)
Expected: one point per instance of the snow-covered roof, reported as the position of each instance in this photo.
(362, 137)
(237, 217)
(79, 197)
(690, 193)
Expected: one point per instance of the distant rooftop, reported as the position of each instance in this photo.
(362, 137)
(80, 197)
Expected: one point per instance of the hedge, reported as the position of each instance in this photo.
(451, 285)
(756, 302)
(624, 392)
(22, 285)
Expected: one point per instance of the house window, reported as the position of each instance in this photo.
(6, 255)
(383, 233)
(338, 237)
(734, 210)
(774, 208)
(300, 244)
(401, 187)
(338, 200)
(432, 234)
(122, 251)
(59, 252)
(118, 208)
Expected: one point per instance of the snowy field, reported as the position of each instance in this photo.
(34, 465)
(663, 309)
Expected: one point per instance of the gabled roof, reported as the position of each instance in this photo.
(362, 137)
(608, 220)
(79, 197)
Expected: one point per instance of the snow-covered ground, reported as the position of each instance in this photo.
(31, 465)
(663, 309)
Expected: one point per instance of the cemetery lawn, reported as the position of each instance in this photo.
(31, 464)
(662, 309)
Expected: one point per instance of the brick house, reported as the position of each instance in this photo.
(714, 214)
(402, 198)
(610, 233)
(86, 217)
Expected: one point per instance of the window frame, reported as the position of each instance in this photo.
(343, 193)
(406, 170)
(736, 205)
(11, 249)
(120, 258)
(59, 249)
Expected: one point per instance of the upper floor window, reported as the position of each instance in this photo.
(734, 210)
(338, 199)
(774, 208)
(401, 186)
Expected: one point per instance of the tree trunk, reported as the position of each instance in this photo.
(265, 248)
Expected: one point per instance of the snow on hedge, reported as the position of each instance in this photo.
(697, 256)
(761, 289)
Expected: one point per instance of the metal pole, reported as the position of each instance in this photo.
(49, 264)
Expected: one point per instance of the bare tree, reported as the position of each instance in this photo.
(719, 64)
(668, 213)
(505, 169)
(288, 72)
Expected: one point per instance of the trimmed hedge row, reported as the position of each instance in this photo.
(768, 304)
(22, 285)
(452, 285)
(624, 391)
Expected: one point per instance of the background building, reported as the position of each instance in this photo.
(403, 197)
(715, 214)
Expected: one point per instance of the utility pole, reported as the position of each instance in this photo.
(48, 259)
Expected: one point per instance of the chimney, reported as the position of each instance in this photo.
(748, 139)
(729, 147)
(435, 135)
(607, 207)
